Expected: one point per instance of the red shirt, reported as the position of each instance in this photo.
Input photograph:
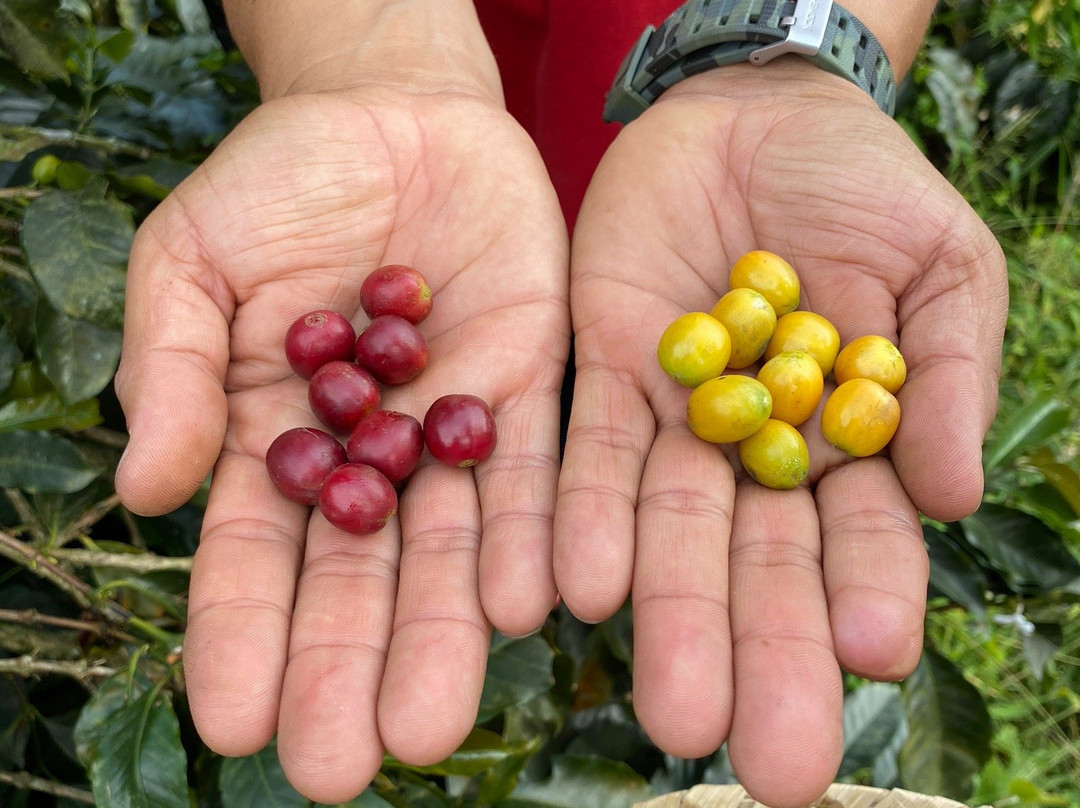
(557, 59)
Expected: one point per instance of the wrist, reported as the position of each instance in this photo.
(306, 46)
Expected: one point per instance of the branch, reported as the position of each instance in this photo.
(137, 562)
(62, 137)
(24, 781)
(16, 271)
(106, 437)
(26, 556)
(20, 193)
(81, 670)
(90, 517)
(25, 512)
(41, 565)
(32, 617)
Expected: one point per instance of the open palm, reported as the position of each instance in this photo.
(348, 646)
(748, 602)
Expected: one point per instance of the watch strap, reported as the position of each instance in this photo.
(704, 34)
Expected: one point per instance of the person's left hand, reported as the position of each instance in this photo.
(749, 602)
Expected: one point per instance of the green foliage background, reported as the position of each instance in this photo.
(105, 105)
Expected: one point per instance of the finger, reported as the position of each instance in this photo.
(240, 603)
(437, 658)
(876, 569)
(610, 430)
(169, 383)
(786, 733)
(329, 742)
(682, 637)
(517, 494)
(952, 321)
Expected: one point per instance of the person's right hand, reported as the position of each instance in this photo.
(346, 646)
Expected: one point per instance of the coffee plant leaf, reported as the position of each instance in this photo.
(1063, 477)
(111, 696)
(79, 358)
(40, 461)
(10, 356)
(954, 573)
(582, 781)
(1029, 555)
(1040, 645)
(48, 411)
(517, 670)
(77, 245)
(1029, 426)
(140, 762)
(258, 781)
(949, 730)
(33, 34)
(480, 751)
(873, 720)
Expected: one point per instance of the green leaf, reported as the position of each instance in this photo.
(191, 14)
(40, 461)
(153, 178)
(517, 670)
(1025, 551)
(134, 14)
(10, 356)
(258, 781)
(34, 36)
(48, 411)
(15, 145)
(583, 782)
(93, 723)
(140, 762)
(77, 245)
(949, 730)
(79, 358)
(480, 751)
(1062, 477)
(951, 82)
(873, 720)
(954, 573)
(1031, 425)
(1041, 645)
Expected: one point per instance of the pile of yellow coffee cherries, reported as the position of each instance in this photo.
(758, 320)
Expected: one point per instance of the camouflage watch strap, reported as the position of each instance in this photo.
(703, 34)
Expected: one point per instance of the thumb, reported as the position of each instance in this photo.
(170, 380)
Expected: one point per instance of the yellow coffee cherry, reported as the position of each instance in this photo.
(808, 332)
(871, 357)
(749, 319)
(860, 417)
(770, 275)
(775, 455)
(728, 409)
(694, 348)
(795, 382)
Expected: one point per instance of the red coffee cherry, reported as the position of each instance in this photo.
(299, 461)
(317, 338)
(392, 350)
(389, 441)
(459, 430)
(358, 499)
(341, 393)
(396, 289)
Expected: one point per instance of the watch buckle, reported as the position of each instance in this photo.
(805, 32)
(624, 103)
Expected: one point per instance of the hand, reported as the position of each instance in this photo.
(748, 602)
(343, 645)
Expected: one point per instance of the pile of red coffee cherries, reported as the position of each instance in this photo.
(356, 485)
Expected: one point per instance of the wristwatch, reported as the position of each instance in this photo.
(703, 34)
